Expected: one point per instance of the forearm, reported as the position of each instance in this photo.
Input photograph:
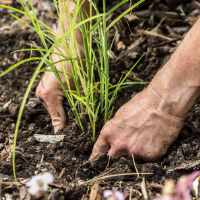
(178, 82)
(70, 7)
(64, 27)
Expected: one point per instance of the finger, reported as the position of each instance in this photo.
(53, 104)
(134, 158)
(101, 146)
(57, 113)
(114, 153)
(44, 104)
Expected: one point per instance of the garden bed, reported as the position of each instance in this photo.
(68, 159)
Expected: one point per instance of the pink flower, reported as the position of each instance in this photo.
(113, 195)
(166, 197)
(183, 188)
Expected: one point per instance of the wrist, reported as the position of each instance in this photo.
(172, 91)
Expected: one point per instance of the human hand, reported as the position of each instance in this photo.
(140, 127)
(50, 92)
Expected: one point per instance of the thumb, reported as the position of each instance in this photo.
(52, 100)
(101, 146)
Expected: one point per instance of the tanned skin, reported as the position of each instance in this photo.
(151, 121)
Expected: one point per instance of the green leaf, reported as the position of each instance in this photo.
(19, 63)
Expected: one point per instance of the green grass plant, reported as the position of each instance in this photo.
(92, 95)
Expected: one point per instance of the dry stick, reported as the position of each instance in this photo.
(135, 166)
(166, 42)
(172, 32)
(114, 175)
(102, 175)
(107, 164)
(132, 35)
(197, 4)
(62, 172)
(144, 190)
(181, 9)
(41, 161)
(11, 183)
(130, 6)
(130, 195)
(28, 44)
(152, 33)
(133, 190)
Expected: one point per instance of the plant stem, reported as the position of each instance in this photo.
(106, 66)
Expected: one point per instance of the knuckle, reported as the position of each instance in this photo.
(44, 94)
(107, 129)
(119, 113)
(37, 92)
(95, 150)
(120, 145)
(144, 154)
(119, 149)
(152, 156)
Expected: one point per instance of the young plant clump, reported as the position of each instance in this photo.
(91, 95)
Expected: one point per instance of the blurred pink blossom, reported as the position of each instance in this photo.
(114, 195)
(183, 188)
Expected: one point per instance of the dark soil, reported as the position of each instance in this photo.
(71, 155)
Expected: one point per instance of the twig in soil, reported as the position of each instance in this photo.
(107, 164)
(42, 158)
(172, 32)
(21, 182)
(11, 183)
(181, 9)
(132, 35)
(104, 174)
(114, 175)
(136, 43)
(144, 190)
(135, 166)
(197, 4)
(155, 34)
(62, 172)
(133, 190)
(149, 51)
(130, 6)
(60, 186)
(184, 166)
(130, 194)
(27, 44)
(68, 114)
(165, 42)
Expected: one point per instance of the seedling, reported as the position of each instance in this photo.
(92, 95)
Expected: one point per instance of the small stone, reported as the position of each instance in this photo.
(31, 127)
